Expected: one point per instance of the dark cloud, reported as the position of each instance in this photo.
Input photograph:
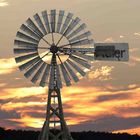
(33, 108)
(4, 101)
(11, 124)
(108, 123)
(9, 114)
(35, 114)
(131, 110)
(70, 114)
(118, 96)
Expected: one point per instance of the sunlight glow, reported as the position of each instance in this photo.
(3, 3)
(8, 65)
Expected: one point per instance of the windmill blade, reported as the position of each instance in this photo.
(19, 51)
(52, 75)
(52, 20)
(65, 75)
(28, 31)
(87, 57)
(83, 50)
(59, 81)
(76, 31)
(80, 61)
(40, 24)
(29, 63)
(21, 43)
(38, 73)
(82, 36)
(59, 22)
(82, 42)
(73, 75)
(72, 25)
(66, 22)
(33, 27)
(25, 57)
(32, 69)
(26, 37)
(46, 20)
(77, 50)
(76, 67)
(45, 76)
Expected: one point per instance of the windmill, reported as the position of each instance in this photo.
(55, 48)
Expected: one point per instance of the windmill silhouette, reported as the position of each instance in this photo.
(64, 58)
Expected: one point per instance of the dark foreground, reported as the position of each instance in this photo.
(32, 135)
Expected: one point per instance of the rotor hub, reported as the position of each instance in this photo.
(53, 48)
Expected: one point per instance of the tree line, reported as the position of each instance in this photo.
(90, 135)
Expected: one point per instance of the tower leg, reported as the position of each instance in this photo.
(54, 127)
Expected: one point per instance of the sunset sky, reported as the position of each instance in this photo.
(106, 99)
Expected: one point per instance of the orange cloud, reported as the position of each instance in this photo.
(131, 131)
(22, 92)
(27, 121)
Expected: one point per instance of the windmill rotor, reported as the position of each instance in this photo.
(54, 34)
